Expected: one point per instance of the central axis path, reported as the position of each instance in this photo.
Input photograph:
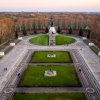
(52, 39)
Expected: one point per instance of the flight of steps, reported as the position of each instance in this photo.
(52, 39)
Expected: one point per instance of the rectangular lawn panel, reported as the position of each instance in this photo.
(34, 77)
(61, 57)
(49, 96)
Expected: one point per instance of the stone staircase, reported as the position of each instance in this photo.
(52, 39)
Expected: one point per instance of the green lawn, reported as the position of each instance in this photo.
(40, 40)
(61, 40)
(61, 57)
(94, 49)
(44, 40)
(34, 76)
(86, 42)
(8, 50)
(49, 96)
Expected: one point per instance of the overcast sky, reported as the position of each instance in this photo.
(50, 5)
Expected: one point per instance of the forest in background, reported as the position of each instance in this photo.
(13, 22)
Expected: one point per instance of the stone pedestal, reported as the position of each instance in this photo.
(51, 55)
(12, 44)
(2, 54)
(50, 73)
(91, 44)
(84, 38)
(20, 38)
(52, 30)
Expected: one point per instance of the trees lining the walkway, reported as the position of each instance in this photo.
(8, 26)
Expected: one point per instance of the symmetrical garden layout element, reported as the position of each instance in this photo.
(84, 61)
(61, 57)
(50, 96)
(51, 55)
(52, 39)
(34, 76)
(50, 73)
(59, 40)
(40, 40)
(62, 40)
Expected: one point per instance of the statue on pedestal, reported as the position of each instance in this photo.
(52, 29)
(52, 22)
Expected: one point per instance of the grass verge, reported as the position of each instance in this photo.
(86, 42)
(94, 49)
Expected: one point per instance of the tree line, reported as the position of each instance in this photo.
(11, 27)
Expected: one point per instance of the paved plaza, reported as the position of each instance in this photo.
(83, 57)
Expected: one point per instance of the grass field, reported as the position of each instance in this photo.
(61, 57)
(61, 40)
(40, 40)
(49, 96)
(44, 40)
(34, 76)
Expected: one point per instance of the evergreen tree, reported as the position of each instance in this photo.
(34, 28)
(16, 35)
(88, 35)
(34, 25)
(58, 30)
(35, 31)
(46, 30)
(81, 32)
(24, 31)
(70, 30)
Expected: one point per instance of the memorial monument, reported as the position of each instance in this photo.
(50, 73)
(52, 29)
(52, 33)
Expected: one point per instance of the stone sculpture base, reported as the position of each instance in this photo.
(50, 73)
(52, 30)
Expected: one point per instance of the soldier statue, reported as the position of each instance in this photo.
(52, 22)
